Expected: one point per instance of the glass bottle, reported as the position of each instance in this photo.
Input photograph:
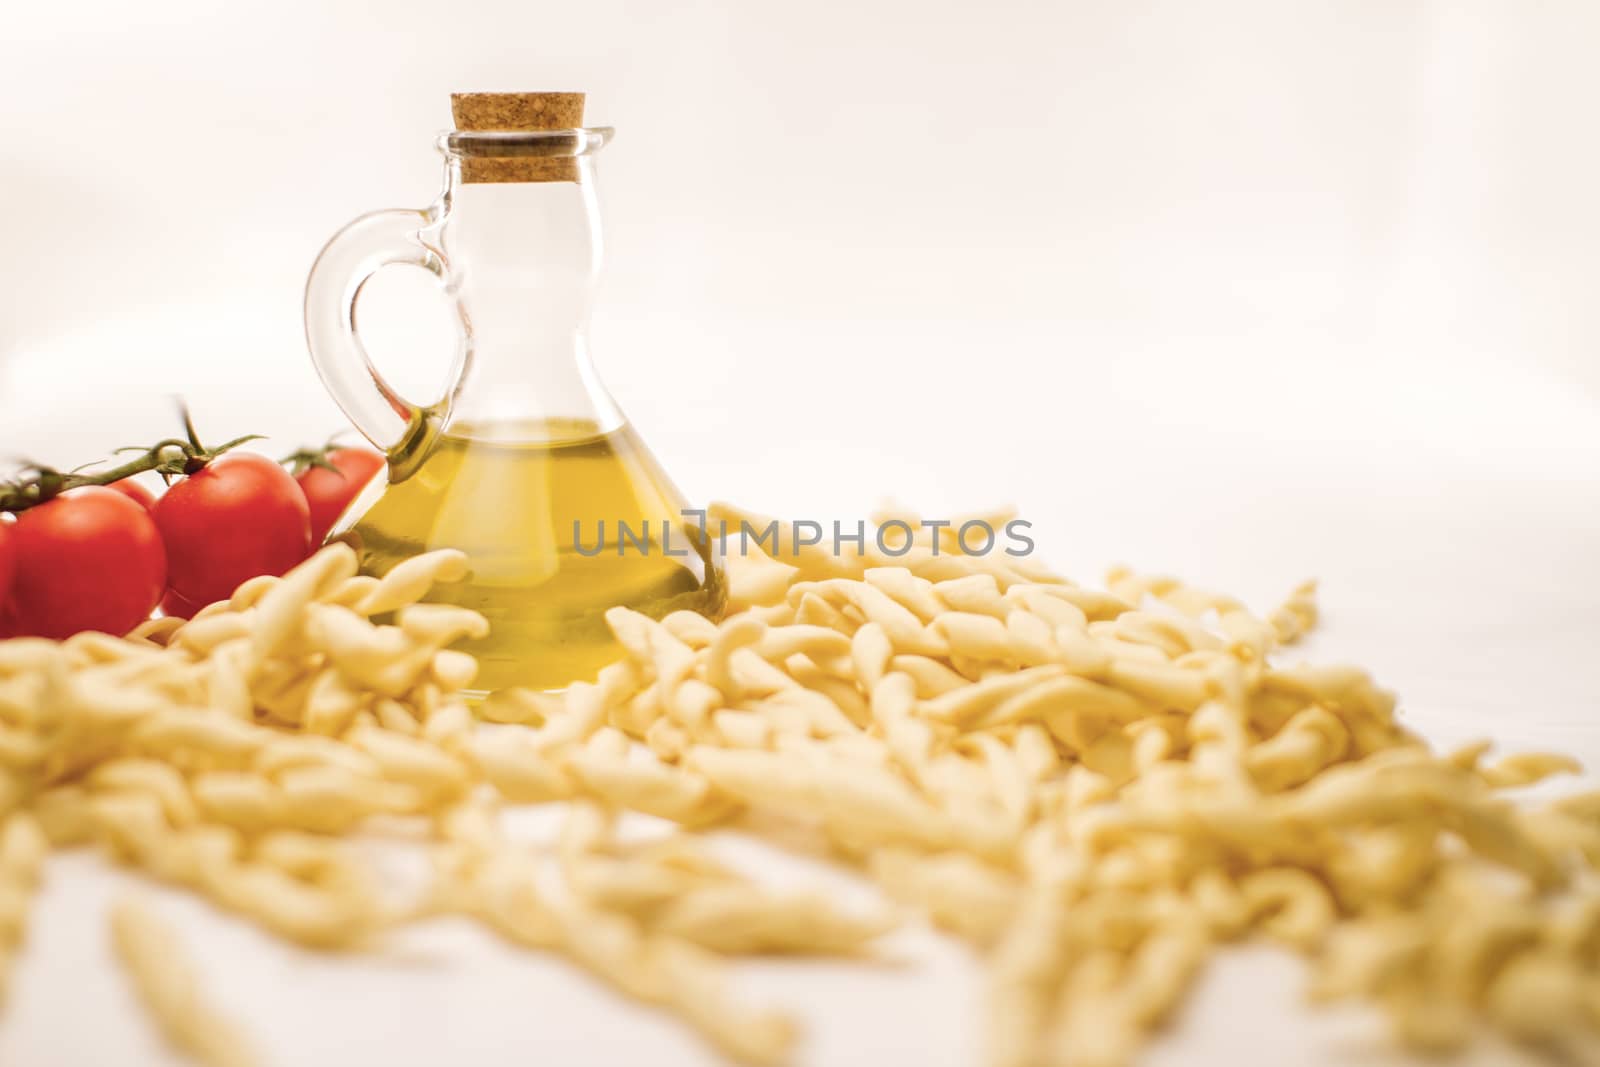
(525, 462)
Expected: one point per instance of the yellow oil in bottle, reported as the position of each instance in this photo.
(536, 506)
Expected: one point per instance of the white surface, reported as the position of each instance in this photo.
(1458, 553)
(1246, 291)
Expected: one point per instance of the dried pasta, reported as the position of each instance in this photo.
(167, 984)
(1094, 788)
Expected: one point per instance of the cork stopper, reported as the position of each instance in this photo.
(518, 111)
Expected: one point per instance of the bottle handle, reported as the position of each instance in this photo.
(403, 430)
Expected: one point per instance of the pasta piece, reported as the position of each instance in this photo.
(165, 981)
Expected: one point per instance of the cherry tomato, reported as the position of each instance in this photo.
(239, 516)
(329, 492)
(8, 560)
(135, 491)
(179, 608)
(91, 559)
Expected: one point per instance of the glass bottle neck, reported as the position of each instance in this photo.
(524, 258)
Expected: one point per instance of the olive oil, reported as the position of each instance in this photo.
(538, 507)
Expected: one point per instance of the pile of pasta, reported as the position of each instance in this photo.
(1095, 788)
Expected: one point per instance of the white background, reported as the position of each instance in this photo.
(1250, 290)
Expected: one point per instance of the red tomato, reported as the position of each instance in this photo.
(239, 516)
(136, 492)
(179, 608)
(91, 559)
(8, 561)
(329, 492)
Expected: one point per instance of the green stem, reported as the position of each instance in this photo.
(188, 425)
(26, 493)
(170, 458)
